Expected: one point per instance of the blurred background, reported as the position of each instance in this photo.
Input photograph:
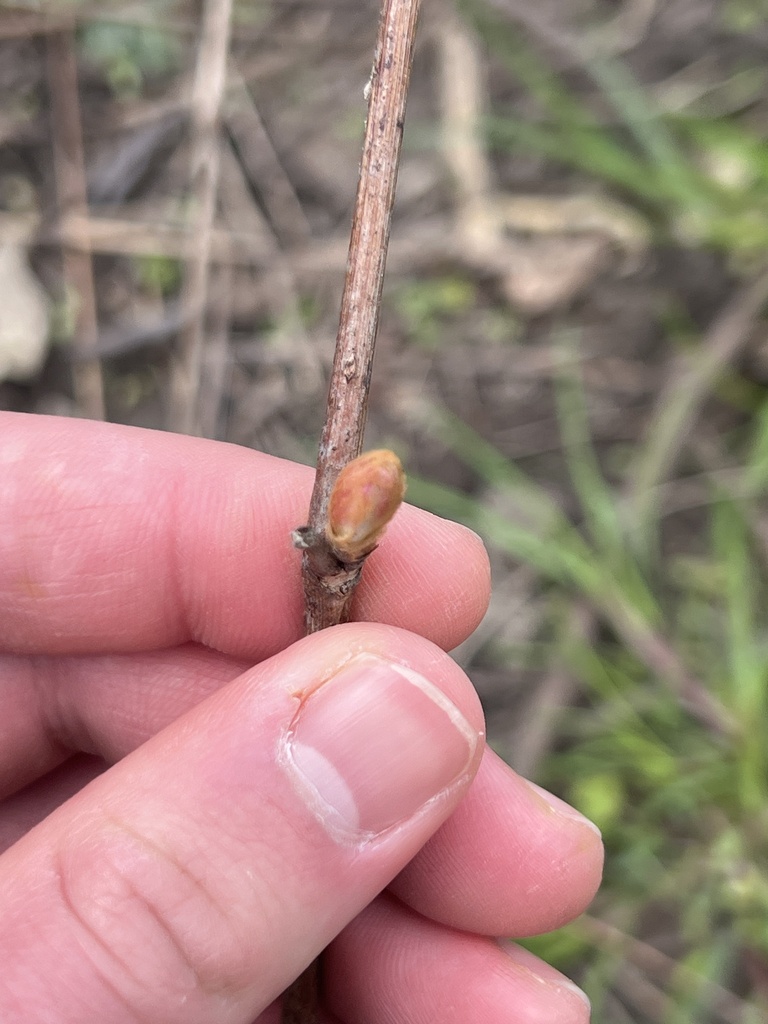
(573, 360)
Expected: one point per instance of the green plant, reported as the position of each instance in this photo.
(425, 305)
(701, 179)
(668, 747)
(128, 54)
(161, 275)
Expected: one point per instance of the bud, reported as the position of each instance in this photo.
(366, 495)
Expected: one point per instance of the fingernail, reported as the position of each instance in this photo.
(373, 745)
(569, 986)
(563, 809)
(542, 972)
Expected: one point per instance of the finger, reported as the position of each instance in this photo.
(507, 862)
(274, 1015)
(119, 539)
(105, 705)
(390, 964)
(196, 878)
(511, 860)
(22, 811)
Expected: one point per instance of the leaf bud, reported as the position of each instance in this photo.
(365, 497)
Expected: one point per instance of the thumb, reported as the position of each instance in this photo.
(195, 879)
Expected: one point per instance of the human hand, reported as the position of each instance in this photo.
(150, 623)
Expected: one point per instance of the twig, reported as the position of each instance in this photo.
(655, 651)
(278, 291)
(218, 359)
(665, 970)
(329, 580)
(642, 995)
(21, 24)
(463, 95)
(69, 170)
(490, 227)
(262, 164)
(207, 94)
(418, 246)
(534, 734)
(686, 389)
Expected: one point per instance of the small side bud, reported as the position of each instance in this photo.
(303, 537)
(365, 497)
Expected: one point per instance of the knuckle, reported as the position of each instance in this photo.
(155, 931)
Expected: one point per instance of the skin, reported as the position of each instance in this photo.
(156, 867)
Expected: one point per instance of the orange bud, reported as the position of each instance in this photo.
(366, 495)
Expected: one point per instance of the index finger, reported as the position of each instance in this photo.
(121, 539)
